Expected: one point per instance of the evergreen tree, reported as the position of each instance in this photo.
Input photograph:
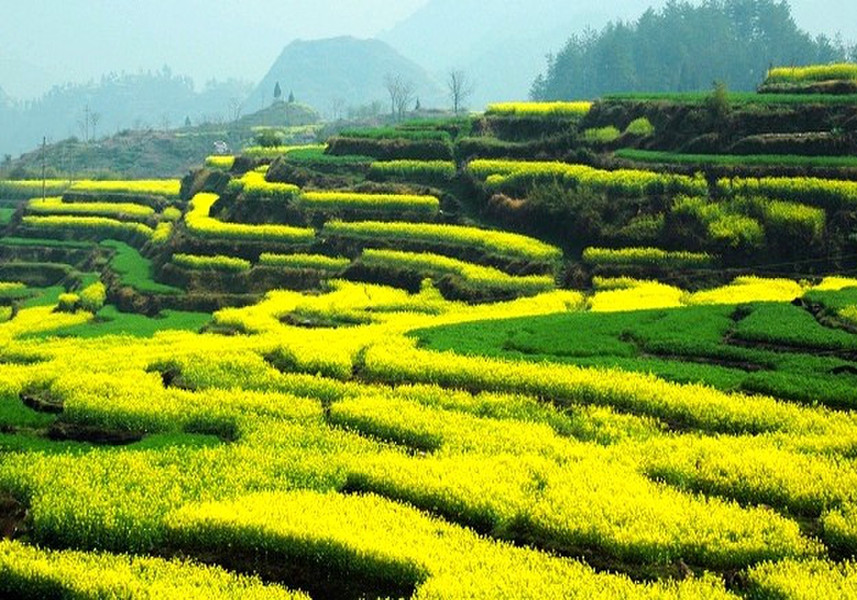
(277, 91)
(682, 48)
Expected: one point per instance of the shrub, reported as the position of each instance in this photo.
(68, 302)
(93, 296)
(721, 224)
(602, 135)
(718, 102)
(640, 127)
(736, 232)
(269, 138)
(787, 224)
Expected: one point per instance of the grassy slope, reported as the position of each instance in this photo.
(772, 347)
(739, 98)
(135, 270)
(109, 321)
(650, 156)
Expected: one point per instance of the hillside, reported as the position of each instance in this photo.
(148, 153)
(344, 71)
(160, 100)
(554, 350)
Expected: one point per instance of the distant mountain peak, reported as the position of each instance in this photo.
(341, 72)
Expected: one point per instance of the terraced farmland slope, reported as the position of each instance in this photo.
(454, 358)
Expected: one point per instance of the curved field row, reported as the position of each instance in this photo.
(199, 223)
(494, 242)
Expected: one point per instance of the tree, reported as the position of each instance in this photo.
(277, 91)
(717, 102)
(236, 107)
(291, 97)
(269, 138)
(94, 119)
(460, 88)
(337, 107)
(401, 92)
(681, 47)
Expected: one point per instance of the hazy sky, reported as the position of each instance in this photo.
(44, 42)
(49, 41)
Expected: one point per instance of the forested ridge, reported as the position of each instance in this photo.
(683, 47)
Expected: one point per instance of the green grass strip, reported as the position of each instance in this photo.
(653, 156)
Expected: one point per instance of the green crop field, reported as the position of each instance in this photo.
(650, 156)
(739, 98)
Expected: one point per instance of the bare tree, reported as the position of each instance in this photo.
(85, 123)
(460, 87)
(337, 107)
(406, 98)
(236, 107)
(401, 93)
(94, 119)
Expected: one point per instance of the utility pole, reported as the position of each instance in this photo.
(44, 167)
(86, 125)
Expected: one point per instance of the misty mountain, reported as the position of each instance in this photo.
(342, 72)
(504, 48)
(159, 100)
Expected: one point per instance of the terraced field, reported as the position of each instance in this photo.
(339, 375)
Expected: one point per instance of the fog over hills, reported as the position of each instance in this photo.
(504, 50)
(52, 42)
(92, 43)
